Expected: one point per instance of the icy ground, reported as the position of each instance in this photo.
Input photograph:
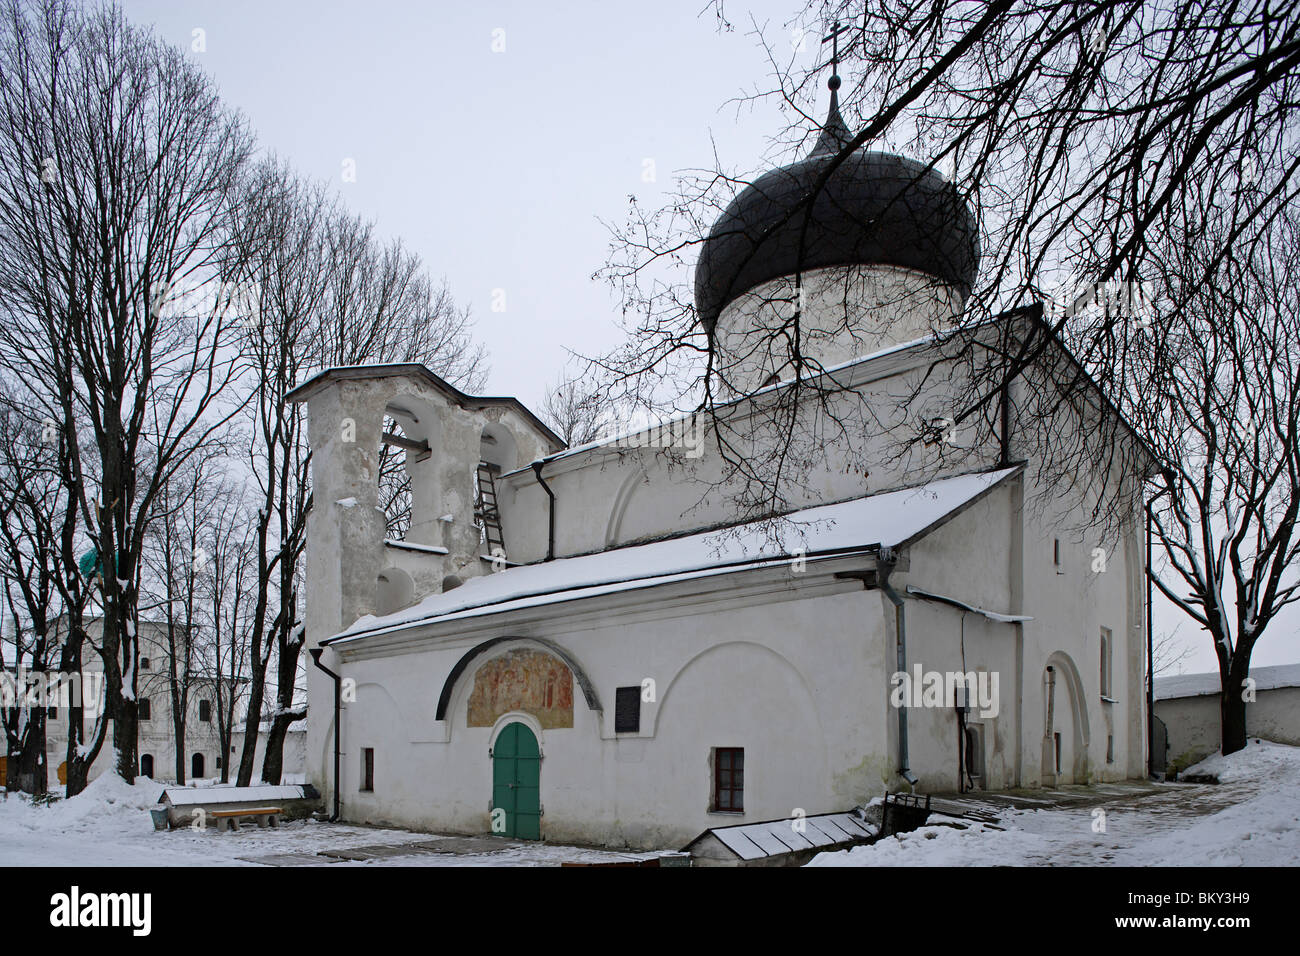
(109, 825)
(1250, 818)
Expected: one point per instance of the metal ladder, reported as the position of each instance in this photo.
(485, 507)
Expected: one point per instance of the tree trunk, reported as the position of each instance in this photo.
(79, 760)
(273, 761)
(1232, 705)
(251, 722)
(32, 775)
(290, 650)
(120, 682)
(13, 758)
(180, 753)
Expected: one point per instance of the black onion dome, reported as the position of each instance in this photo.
(876, 208)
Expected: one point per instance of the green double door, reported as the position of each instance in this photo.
(516, 783)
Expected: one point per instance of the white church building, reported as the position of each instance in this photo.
(585, 644)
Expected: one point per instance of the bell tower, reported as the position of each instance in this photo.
(355, 564)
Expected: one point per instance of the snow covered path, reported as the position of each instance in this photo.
(109, 825)
(1250, 818)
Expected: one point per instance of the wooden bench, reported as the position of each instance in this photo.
(229, 819)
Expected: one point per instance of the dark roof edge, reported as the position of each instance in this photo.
(300, 393)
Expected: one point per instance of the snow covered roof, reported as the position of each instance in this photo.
(303, 391)
(187, 796)
(889, 519)
(298, 727)
(753, 841)
(1201, 685)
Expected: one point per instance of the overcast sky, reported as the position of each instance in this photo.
(496, 167)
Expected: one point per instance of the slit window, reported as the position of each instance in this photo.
(367, 769)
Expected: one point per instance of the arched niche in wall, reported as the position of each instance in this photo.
(394, 590)
(1066, 732)
(469, 661)
(497, 447)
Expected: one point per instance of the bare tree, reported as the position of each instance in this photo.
(41, 535)
(577, 411)
(119, 168)
(282, 230)
(1070, 132)
(1091, 143)
(1221, 404)
(226, 652)
(327, 293)
(1167, 652)
(381, 306)
(177, 563)
(30, 497)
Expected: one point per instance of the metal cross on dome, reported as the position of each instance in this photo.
(834, 40)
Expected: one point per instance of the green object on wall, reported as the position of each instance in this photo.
(516, 781)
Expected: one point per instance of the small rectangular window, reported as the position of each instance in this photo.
(52, 713)
(367, 769)
(627, 710)
(1110, 748)
(205, 710)
(143, 710)
(729, 779)
(144, 663)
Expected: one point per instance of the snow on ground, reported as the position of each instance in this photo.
(1250, 818)
(109, 825)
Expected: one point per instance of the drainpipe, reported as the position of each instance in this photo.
(1050, 736)
(315, 653)
(550, 518)
(885, 562)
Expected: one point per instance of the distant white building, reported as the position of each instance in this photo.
(1188, 707)
(634, 667)
(157, 740)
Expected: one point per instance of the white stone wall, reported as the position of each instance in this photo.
(1194, 729)
(156, 736)
(616, 495)
(800, 677)
(794, 682)
(844, 312)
